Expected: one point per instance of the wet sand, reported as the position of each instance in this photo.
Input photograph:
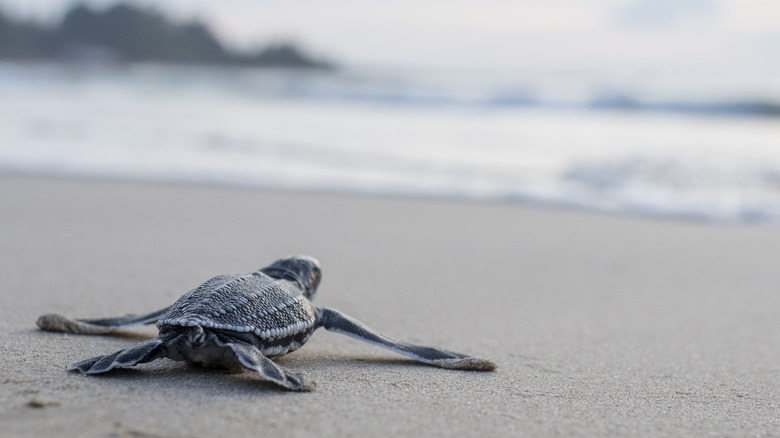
(601, 325)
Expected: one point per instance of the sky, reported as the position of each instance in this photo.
(696, 35)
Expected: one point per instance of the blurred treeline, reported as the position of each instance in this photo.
(124, 33)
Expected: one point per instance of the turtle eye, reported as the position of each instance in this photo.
(313, 281)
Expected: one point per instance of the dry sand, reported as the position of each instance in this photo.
(601, 325)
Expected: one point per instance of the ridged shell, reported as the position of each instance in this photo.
(255, 302)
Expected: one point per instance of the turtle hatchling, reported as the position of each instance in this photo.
(240, 321)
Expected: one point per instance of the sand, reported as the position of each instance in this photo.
(601, 325)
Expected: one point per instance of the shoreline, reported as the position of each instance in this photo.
(510, 201)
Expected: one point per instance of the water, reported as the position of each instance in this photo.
(707, 151)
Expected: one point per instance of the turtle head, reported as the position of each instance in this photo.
(303, 270)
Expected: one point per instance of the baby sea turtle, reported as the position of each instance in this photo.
(243, 320)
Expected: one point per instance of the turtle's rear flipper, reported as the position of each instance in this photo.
(140, 353)
(250, 357)
(58, 323)
(336, 321)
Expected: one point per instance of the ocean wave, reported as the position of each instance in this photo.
(727, 96)
(384, 135)
(744, 192)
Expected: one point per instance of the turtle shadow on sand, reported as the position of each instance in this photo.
(191, 378)
(241, 322)
(195, 378)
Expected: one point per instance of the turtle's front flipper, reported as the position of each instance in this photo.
(250, 357)
(140, 353)
(58, 323)
(336, 321)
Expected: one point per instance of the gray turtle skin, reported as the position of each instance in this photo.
(242, 321)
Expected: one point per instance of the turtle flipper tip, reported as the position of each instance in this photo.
(54, 322)
(299, 382)
(307, 386)
(467, 364)
(82, 367)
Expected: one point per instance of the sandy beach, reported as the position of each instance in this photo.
(601, 325)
